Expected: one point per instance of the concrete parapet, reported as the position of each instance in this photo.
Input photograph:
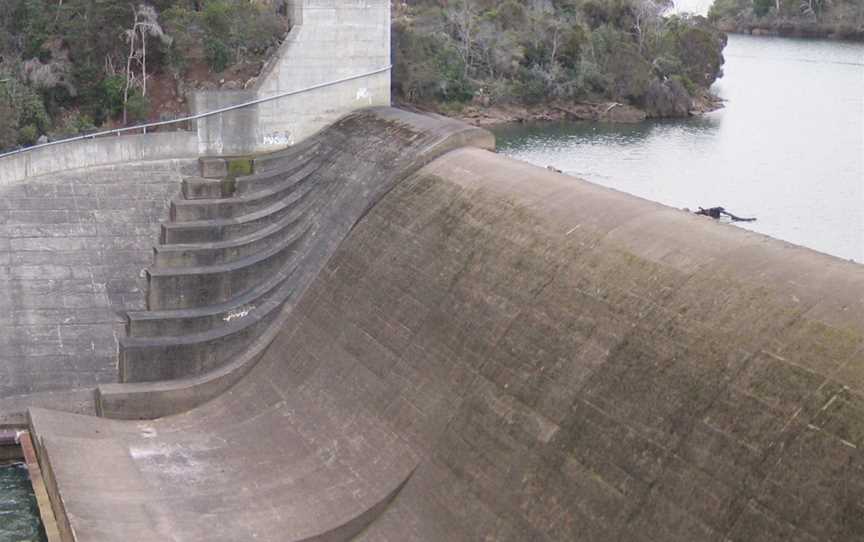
(97, 152)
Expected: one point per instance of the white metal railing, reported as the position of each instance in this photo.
(144, 127)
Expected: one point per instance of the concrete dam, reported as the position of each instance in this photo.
(388, 332)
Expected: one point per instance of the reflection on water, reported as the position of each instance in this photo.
(788, 148)
(19, 514)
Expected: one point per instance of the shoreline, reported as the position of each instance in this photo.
(559, 111)
(786, 28)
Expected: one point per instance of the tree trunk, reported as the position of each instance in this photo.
(128, 73)
(143, 63)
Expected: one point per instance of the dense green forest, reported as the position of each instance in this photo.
(67, 66)
(843, 19)
(71, 66)
(509, 51)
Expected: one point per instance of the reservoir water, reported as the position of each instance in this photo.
(19, 514)
(788, 148)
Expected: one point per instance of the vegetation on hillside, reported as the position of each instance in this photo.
(842, 19)
(510, 51)
(68, 66)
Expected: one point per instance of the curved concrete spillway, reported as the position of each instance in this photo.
(499, 352)
(237, 252)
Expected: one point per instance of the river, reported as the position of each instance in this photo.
(788, 148)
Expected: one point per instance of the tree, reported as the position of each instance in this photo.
(647, 18)
(144, 25)
(463, 19)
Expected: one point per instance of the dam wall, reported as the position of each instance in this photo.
(499, 352)
(574, 363)
(97, 152)
(329, 40)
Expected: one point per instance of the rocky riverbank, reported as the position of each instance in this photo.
(480, 114)
(792, 28)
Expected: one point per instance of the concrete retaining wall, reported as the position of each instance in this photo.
(97, 152)
(330, 40)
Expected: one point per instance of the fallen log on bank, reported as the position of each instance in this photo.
(716, 212)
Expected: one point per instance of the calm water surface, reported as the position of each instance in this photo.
(788, 147)
(19, 514)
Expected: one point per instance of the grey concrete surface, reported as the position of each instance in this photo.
(329, 41)
(500, 352)
(72, 247)
(97, 152)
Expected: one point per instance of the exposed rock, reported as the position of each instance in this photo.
(705, 102)
(667, 99)
(623, 114)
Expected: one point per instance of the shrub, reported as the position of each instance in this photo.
(8, 126)
(72, 124)
(627, 72)
(686, 83)
(27, 135)
(666, 99)
(573, 40)
(217, 17)
(111, 99)
(217, 53)
(428, 66)
(238, 26)
(762, 7)
(137, 107)
(31, 110)
(698, 46)
(532, 86)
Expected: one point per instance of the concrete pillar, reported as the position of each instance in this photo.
(329, 40)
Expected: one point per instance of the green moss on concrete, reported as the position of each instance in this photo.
(238, 167)
(229, 185)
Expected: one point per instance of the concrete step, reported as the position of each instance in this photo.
(150, 359)
(189, 287)
(283, 159)
(208, 231)
(202, 254)
(185, 210)
(192, 188)
(276, 170)
(176, 322)
(187, 341)
(191, 342)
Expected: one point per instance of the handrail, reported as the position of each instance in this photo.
(144, 127)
